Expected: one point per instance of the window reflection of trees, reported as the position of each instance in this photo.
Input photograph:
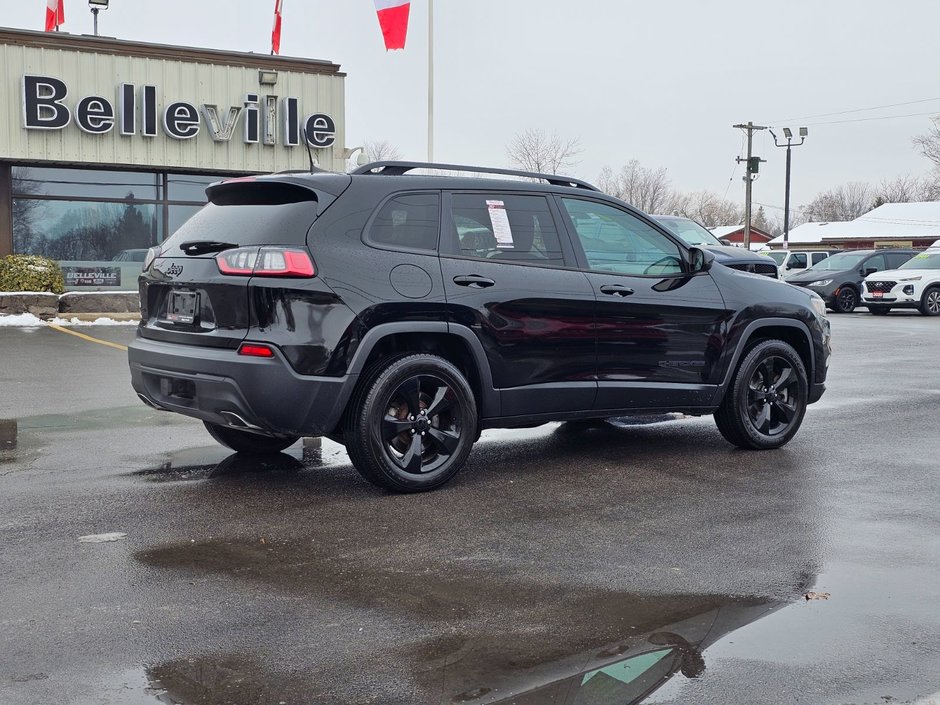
(79, 230)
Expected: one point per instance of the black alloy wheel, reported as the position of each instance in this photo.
(847, 300)
(248, 443)
(412, 425)
(766, 402)
(930, 302)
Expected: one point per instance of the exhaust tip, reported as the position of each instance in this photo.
(236, 421)
(148, 402)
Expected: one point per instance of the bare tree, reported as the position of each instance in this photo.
(929, 142)
(843, 203)
(383, 151)
(908, 189)
(707, 208)
(643, 188)
(536, 150)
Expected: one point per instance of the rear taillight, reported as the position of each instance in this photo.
(152, 254)
(266, 262)
(255, 350)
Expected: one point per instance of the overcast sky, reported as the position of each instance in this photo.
(661, 82)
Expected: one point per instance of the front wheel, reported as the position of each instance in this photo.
(766, 401)
(411, 424)
(247, 442)
(930, 302)
(846, 301)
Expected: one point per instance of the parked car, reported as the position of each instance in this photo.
(696, 235)
(914, 284)
(838, 278)
(791, 262)
(402, 314)
(130, 255)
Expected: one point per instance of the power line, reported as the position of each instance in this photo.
(857, 110)
(883, 117)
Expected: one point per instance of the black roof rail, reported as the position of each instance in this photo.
(395, 168)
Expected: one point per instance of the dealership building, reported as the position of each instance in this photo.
(107, 146)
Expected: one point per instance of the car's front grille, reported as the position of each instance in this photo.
(884, 287)
(768, 270)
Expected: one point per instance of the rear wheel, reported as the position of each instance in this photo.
(412, 423)
(879, 310)
(846, 300)
(930, 302)
(247, 442)
(765, 404)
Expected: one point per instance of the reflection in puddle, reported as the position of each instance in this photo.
(8, 432)
(205, 463)
(494, 638)
(524, 669)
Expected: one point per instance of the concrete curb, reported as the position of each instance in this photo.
(86, 306)
(95, 316)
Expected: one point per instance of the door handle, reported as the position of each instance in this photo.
(616, 290)
(474, 281)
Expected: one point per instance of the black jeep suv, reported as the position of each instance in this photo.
(401, 314)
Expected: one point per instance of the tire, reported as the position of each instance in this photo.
(846, 301)
(930, 302)
(247, 442)
(879, 310)
(756, 414)
(393, 435)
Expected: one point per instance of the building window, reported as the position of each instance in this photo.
(97, 215)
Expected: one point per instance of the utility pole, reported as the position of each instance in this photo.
(753, 166)
(430, 80)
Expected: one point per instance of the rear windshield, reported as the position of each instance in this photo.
(242, 225)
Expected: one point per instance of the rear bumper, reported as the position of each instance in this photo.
(214, 384)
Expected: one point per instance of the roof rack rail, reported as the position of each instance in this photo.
(396, 168)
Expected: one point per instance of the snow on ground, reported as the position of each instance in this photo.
(28, 320)
(20, 320)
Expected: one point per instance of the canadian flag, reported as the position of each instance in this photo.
(393, 18)
(55, 14)
(276, 33)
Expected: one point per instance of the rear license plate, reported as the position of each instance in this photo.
(877, 294)
(181, 306)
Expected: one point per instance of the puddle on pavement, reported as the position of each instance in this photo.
(614, 653)
(206, 463)
(495, 638)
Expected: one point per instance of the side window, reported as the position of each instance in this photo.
(409, 220)
(897, 259)
(819, 257)
(797, 261)
(506, 227)
(877, 263)
(615, 241)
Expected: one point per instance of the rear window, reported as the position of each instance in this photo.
(246, 225)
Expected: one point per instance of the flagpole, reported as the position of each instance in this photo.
(430, 80)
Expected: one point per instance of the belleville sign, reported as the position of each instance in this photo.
(137, 111)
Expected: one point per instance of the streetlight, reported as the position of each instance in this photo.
(788, 134)
(96, 6)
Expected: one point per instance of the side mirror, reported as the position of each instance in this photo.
(868, 271)
(725, 241)
(791, 265)
(700, 260)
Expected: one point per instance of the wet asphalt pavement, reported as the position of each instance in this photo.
(563, 565)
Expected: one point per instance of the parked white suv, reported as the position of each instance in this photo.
(790, 262)
(915, 284)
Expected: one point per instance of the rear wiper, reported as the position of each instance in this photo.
(202, 247)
